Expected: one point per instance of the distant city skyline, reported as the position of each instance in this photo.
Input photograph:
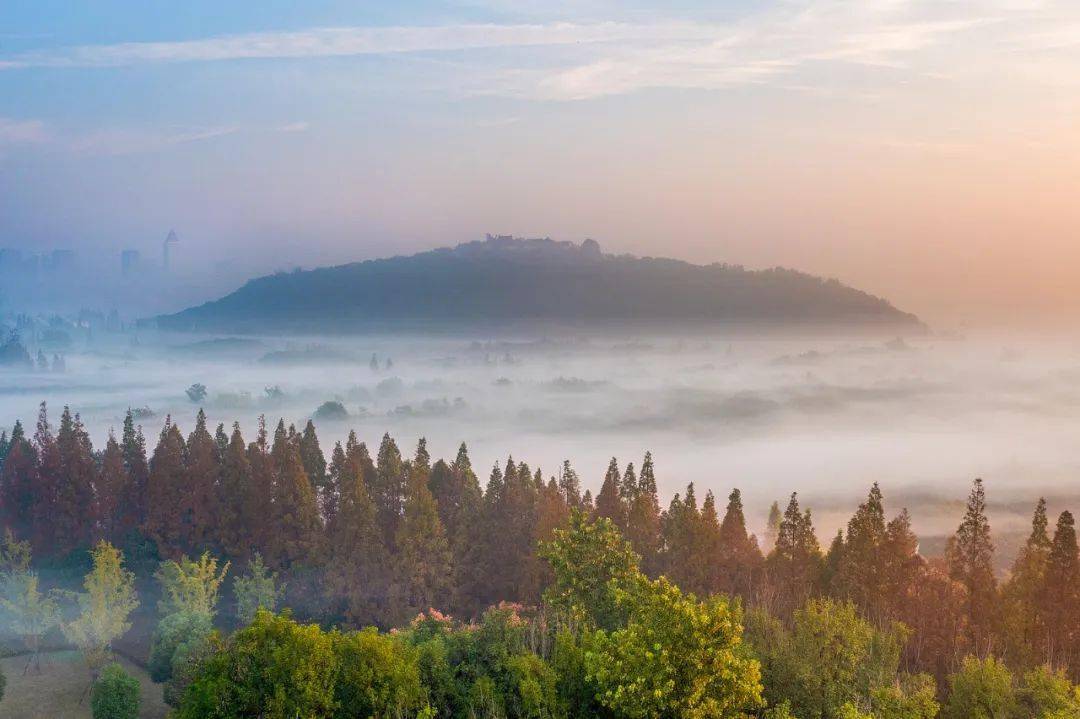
(922, 151)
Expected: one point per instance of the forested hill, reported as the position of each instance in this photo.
(503, 280)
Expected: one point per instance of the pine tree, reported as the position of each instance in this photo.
(74, 519)
(643, 521)
(19, 484)
(296, 530)
(166, 488)
(570, 485)
(1060, 595)
(970, 554)
(739, 557)
(312, 456)
(238, 523)
(795, 563)
(134, 446)
(609, 502)
(1027, 633)
(199, 511)
(113, 492)
(423, 563)
(46, 487)
(859, 577)
(388, 488)
(356, 570)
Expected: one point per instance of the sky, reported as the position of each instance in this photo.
(923, 150)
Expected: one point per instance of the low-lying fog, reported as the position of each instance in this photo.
(823, 417)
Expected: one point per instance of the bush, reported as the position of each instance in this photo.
(172, 631)
(379, 676)
(115, 695)
(331, 412)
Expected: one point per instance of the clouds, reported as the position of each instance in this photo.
(21, 132)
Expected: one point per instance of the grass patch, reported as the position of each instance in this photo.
(55, 692)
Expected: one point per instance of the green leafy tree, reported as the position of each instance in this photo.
(378, 676)
(982, 689)
(274, 668)
(1046, 693)
(104, 607)
(29, 613)
(115, 694)
(190, 585)
(171, 632)
(589, 559)
(676, 657)
(258, 589)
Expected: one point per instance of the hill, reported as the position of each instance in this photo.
(504, 280)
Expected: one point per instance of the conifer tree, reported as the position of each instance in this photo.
(19, 484)
(388, 487)
(772, 526)
(1060, 595)
(859, 576)
(134, 446)
(570, 485)
(166, 488)
(73, 515)
(113, 492)
(313, 458)
(330, 496)
(609, 502)
(237, 506)
(970, 554)
(460, 503)
(356, 570)
(46, 486)
(706, 555)
(1026, 633)
(738, 556)
(643, 521)
(423, 562)
(795, 563)
(259, 505)
(296, 530)
(199, 511)
(682, 528)
(901, 564)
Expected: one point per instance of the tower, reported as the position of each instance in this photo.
(171, 239)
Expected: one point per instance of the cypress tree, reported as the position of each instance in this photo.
(1060, 596)
(313, 458)
(739, 557)
(643, 521)
(1027, 632)
(259, 505)
(570, 485)
(859, 575)
(795, 563)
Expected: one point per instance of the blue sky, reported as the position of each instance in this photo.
(891, 143)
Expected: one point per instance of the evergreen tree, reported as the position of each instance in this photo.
(388, 487)
(643, 521)
(859, 575)
(901, 565)
(166, 488)
(296, 529)
(772, 526)
(19, 484)
(970, 554)
(46, 487)
(738, 555)
(113, 491)
(73, 518)
(570, 485)
(423, 563)
(259, 505)
(314, 461)
(356, 570)
(609, 502)
(795, 563)
(682, 527)
(199, 511)
(134, 446)
(330, 497)
(237, 507)
(1060, 595)
(1026, 633)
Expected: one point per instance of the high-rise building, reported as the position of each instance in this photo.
(129, 262)
(60, 261)
(11, 260)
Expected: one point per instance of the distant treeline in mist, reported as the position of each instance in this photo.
(363, 538)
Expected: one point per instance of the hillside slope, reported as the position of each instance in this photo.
(504, 280)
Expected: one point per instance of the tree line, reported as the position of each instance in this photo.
(361, 539)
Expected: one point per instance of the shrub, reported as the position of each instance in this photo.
(379, 676)
(172, 631)
(331, 412)
(115, 695)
